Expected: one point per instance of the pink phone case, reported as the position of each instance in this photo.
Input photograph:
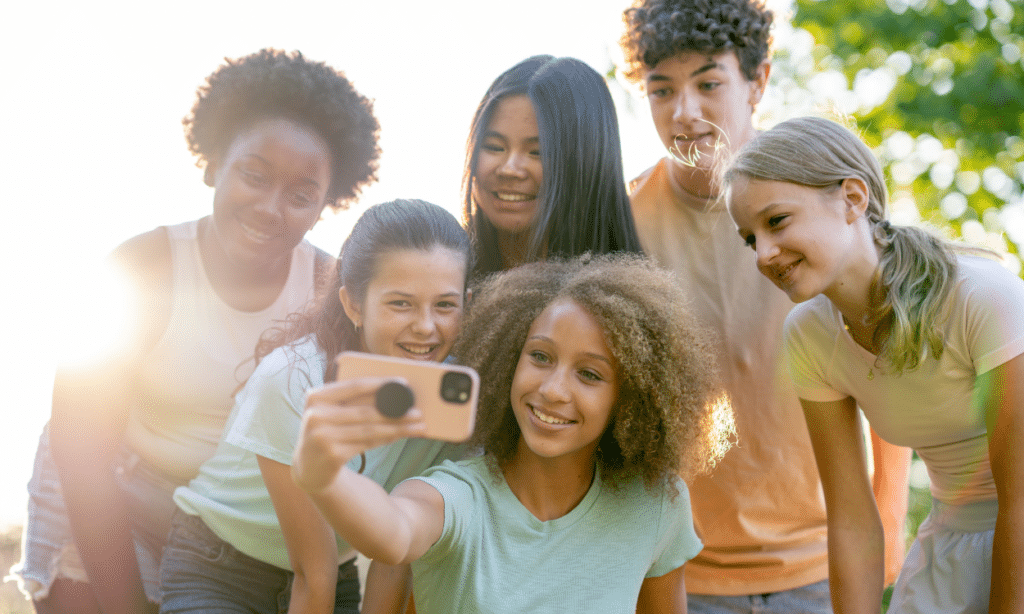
(446, 394)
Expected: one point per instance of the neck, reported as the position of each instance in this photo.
(513, 248)
(549, 488)
(243, 286)
(855, 296)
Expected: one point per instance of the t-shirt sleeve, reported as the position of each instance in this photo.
(802, 334)
(456, 488)
(994, 303)
(270, 409)
(677, 541)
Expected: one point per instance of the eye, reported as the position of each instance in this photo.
(660, 92)
(591, 375)
(707, 86)
(775, 220)
(302, 200)
(535, 153)
(400, 303)
(447, 305)
(254, 178)
(540, 357)
(492, 147)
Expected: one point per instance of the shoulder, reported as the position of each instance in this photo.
(145, 258)
(813, 314)
(648, 180)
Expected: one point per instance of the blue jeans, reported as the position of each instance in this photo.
(810, 599)
(202, 573)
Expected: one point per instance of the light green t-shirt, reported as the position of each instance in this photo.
(229, 494)
(494, 556)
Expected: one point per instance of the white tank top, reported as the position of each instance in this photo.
(184, 387)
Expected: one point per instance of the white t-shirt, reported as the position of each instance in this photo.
(229, 493)
(495, 556)
(933, 408)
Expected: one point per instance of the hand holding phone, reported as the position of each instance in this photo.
(445, 394)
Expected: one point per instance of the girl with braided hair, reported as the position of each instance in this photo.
(925, 336)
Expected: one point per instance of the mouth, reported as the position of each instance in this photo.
(782, 273)
(256, 234)
(419, 351)
(547, 418)
(513, 197)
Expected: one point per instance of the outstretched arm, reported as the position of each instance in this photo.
(889, 482)
(340, 423)
(855, 535)
(1003, 399)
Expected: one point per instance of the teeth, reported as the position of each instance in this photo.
(546, 418)
(513, 197)
(420, 351)
(256, 234)
(782, 273)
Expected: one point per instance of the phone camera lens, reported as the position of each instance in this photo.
(456, 387)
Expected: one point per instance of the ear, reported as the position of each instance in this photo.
(855, 197)
(469, 297)
(759, 82)
(351, 307)
(210, 174)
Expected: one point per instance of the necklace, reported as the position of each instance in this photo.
(871, 368)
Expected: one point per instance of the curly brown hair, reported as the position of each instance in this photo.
(670, 417)
(660, 29)
(271, 83)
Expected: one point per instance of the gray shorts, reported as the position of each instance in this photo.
(48, 550)
(810, 599)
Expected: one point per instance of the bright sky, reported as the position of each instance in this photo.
(95, 93)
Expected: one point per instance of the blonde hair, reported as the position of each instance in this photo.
(916, 269)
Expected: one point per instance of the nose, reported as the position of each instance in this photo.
(766, 252)
(424, 324)
(271, 203)
(513, 166)
(555, 388)
(686, 108)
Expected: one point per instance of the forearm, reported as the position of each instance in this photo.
(366, 517)
(1007, 593)
(889, 483)
(313, 590)
(387, 589)
(855, 559)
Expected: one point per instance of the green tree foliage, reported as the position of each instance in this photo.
(940, 95)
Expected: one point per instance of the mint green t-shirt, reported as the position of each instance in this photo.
(229, 493)
(494, 556)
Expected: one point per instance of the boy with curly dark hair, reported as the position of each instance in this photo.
(704, 65)
(280, 137)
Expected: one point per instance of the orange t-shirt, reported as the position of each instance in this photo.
(761, 513)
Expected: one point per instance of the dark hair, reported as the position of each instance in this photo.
(270, 84)
(660, 29)
(668, 418)
(384, 228)
(583, 203)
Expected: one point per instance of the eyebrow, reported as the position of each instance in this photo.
(498, 135)
(711, 65)
(590, 354)
(264, 161)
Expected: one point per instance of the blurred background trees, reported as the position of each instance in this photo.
(937, 88)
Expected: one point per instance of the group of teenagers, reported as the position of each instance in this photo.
(668, 407)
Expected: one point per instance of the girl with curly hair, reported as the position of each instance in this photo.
(925, 337)
(543, 174)
(279, 137)
(597, 390)
(398, 290)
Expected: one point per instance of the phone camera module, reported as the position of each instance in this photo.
(456, 387)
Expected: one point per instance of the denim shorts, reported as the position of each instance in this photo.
(202, 573)
(48, 548)
(810, 599)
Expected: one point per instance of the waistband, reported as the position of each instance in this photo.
(972, 517)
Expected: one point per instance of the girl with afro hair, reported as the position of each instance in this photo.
(597, 393)
(279, 137)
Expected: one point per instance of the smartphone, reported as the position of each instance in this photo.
(446, 394)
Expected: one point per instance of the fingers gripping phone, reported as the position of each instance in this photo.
(446, 394)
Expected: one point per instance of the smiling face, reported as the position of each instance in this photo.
(565, 384)
(270, 188)
(413, 304)
(702, 105)
(808, 241)
(507, 176)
